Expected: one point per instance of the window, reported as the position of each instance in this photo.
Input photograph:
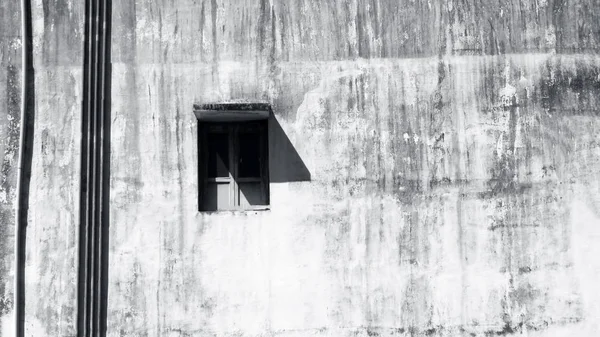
(233, 165)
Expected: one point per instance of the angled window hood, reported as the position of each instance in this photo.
(232, 112)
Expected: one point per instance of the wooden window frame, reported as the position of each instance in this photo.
(233, 129)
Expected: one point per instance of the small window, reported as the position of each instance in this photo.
(233, 166)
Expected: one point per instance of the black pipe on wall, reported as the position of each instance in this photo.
(95, 165)
(25, 160)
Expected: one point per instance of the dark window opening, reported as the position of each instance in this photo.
(218, 154)
(233, 166)
(250, 156)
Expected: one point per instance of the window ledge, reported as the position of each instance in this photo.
(230, 112)
(260, 209)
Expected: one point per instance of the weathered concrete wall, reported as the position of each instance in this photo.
(454, 190)
(52, 234)
(10, 99)
(453, 155)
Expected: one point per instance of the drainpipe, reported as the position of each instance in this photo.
(92, 281)
(24, 166)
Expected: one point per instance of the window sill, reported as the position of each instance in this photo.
(260, 209)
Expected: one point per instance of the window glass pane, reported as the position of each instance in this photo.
(249, 156)
(216, 197)
(218, 155)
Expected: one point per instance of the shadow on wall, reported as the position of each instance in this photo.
(285, 164)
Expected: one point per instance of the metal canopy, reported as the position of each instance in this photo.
(231, 112)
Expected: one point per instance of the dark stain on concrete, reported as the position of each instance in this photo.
(8, 185)
(570, 90)
(62, 35)
(215, 41)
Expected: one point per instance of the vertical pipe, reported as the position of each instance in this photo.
(95, 156)
(104, 175)
(82, 291)
(25, 160)
(93, 161)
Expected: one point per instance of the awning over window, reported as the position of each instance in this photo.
(231, 112)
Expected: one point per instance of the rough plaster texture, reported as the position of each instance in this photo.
(52, 237)
(452, 147)
(10, 99)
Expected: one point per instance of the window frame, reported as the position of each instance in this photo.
(233, 129)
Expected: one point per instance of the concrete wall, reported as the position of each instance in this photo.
(51, 247)
(10, 99)
(454, 168)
